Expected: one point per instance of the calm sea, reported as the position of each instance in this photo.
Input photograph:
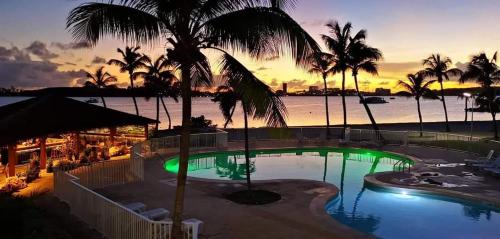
(302, 111)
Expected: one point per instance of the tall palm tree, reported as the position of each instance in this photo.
(340, 43)
(364, 58)
(256, 98)
(486, 72)
(259, 28)
(101, 80)
(321, 63)
(131, 61)
(160, 78)
(439, 67)
(417, 86)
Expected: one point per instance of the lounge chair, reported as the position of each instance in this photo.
(493, 171)
(135, 206)
(487, 159)
(491, 164)
(192, 227)
(157, 214)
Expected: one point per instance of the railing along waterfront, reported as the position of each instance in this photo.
(382, 137)
(76, 187)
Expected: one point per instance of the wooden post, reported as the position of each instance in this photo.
(12, 159)
(43, 153)
(146, 131)
(112, 134)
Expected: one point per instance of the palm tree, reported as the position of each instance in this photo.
(321, 63)
(486, 72)
(340, 43)
(131, 61)
(160, 78)
(259, 28)
(439, 67)
(100, 80)
(417, 86)
(364, 58)
(257, 100)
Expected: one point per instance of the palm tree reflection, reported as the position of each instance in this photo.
(227, 166)
(365, 223)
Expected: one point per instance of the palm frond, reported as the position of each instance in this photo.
(261, 32)
(259, 100)
(90, 22)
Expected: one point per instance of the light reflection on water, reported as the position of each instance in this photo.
(396, 214)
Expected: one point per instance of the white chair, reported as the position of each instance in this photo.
(136, 206)
(191, 227)
(156, 214)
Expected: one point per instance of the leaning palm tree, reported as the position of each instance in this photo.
(100, 80)
(159, 78)
(417, 86)
(256, 98)
(486, 72)
(439, 67)
(131, 61)
(321, 63)
(340, 44)
(258, 28)
(364, 58)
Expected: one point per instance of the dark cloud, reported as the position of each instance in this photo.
(383, 83)
(262, 68)
(39, 49)
(13, 54)
(98, 60)
(69, 63)
(18, 70)
(71, 45)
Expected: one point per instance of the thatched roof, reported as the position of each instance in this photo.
(41, 116)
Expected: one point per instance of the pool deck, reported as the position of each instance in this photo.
(299, 214)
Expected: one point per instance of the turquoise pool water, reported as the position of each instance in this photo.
(379, 213)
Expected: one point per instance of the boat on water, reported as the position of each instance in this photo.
(374, 100)
(92, 101)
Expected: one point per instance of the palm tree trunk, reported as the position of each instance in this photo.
(365, 105)
(184, 151)
(132, 92)
(247, 150)
(495, 127)
(325, 168)
(325, 91)
(230, 117)
(444, 107)
(168, 114)
(420, 118)
(103, 102)
(157, 126)
(343, 104)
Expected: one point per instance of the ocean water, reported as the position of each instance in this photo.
(302, 110)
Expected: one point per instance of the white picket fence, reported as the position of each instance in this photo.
(76, 187)
(106, 216)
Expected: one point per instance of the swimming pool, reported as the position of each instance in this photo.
(380, 213)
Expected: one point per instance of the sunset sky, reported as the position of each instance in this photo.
(37, 51)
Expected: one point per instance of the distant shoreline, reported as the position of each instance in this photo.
(143, 92)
